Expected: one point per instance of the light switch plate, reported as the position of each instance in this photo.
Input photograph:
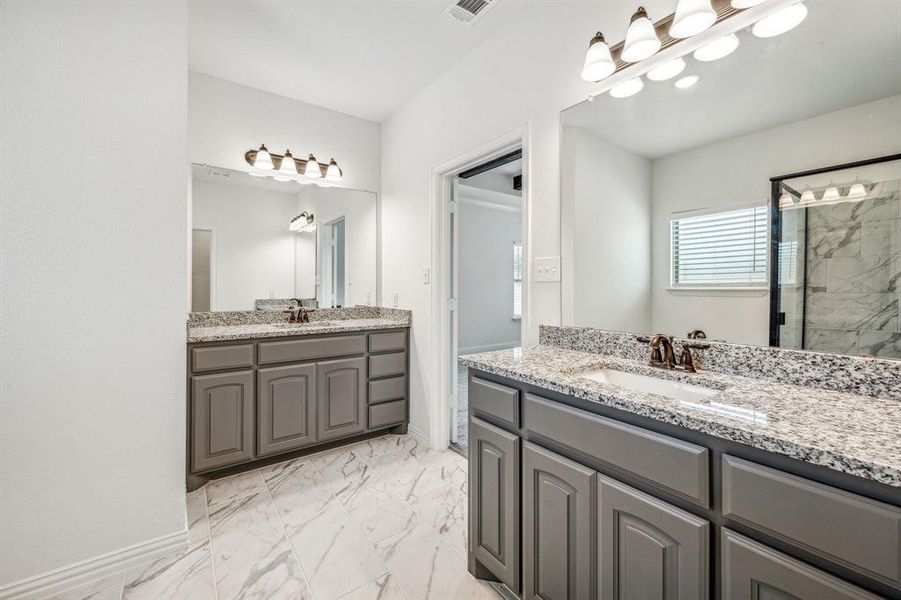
(546, 269)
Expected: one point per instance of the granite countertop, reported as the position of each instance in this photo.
(219, 333)
(858, 435)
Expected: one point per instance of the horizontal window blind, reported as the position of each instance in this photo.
(725, 249)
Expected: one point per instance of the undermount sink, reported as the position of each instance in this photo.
(652, 385)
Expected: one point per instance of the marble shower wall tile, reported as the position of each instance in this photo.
(881, 238)
(863, 274)
(880, 343)
(833, 241)
(826, 310)
(839, 341)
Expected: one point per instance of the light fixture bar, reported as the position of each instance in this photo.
(723, 10)
(250, 159)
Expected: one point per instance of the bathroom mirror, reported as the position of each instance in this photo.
(670, 197)
(257, 243)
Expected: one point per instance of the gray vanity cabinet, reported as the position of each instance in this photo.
(341, 397)
(494, 500)
(222, 418)
(752, 571)
(557, 505)
(648, 548)
(286, 408)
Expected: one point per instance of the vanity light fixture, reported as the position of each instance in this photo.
(780, 22)
(808, 197)
(287, 171)
(641, 38)
(262, 164)
(627, 88)
(717, 49)
(263, 161)
(786, 200)
(333, 173)
(831, 194)
(302, 223)
(692, 17)
(667, 70)
(857, 192)
(598, 60)
(686, 82)
(312, 170)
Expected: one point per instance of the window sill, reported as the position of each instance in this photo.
(748, 292)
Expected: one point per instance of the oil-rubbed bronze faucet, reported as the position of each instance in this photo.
(303, 314)
(662, 343)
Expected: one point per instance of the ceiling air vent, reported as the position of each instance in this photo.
(468, 11)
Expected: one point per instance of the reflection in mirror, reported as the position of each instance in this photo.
(258, 243)
(670, 197)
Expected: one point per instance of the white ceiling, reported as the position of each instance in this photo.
(362, 57)
(844, 54)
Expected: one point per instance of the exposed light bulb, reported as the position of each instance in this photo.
(287, 171)
(667, 70)
(333, 173)
(686, 82)
(807, 197)
(598, 61)
(262, 160)
(627, 88)
(717, 49)
(312, 169)
(780, 22)
(692, 17)
(641, 38)
(857, 192)
(786, 200)
(741, 4)
(831, 193)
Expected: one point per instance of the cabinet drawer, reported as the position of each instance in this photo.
(383, 365)
(680, 467)
(494, 399)
(387, 413)
(387, 389)
(859, 533)
(383, 342)
(212, 358)
(296, 350)
(752, 571)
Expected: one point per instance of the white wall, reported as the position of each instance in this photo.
(488, 227)
(360, 212)
(254, 251)
(226, 119)
(93, 181)
(606, 234)
(736, 173)
(523, 76)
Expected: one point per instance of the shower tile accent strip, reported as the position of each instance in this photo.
(876, 377)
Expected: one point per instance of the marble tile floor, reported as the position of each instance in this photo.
(382, 519)
(461, 446)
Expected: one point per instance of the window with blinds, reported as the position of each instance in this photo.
(517, 280)
(720, 250)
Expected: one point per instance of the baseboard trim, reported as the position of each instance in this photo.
(488, 348)
(65, 578)
(419, 435)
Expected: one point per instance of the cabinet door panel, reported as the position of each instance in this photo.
(341, 397)
(752, 571)
(494, 500)
(558, 501)
(286, 408)
(221, 420)
(647, 548)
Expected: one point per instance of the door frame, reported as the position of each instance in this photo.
(213, 282)
(441, 194)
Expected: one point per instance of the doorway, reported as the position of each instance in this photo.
(334, 268)
(203, 247)
(482, 247)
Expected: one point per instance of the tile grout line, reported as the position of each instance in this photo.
(209, 538)
(278, 514)
(122, 584)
